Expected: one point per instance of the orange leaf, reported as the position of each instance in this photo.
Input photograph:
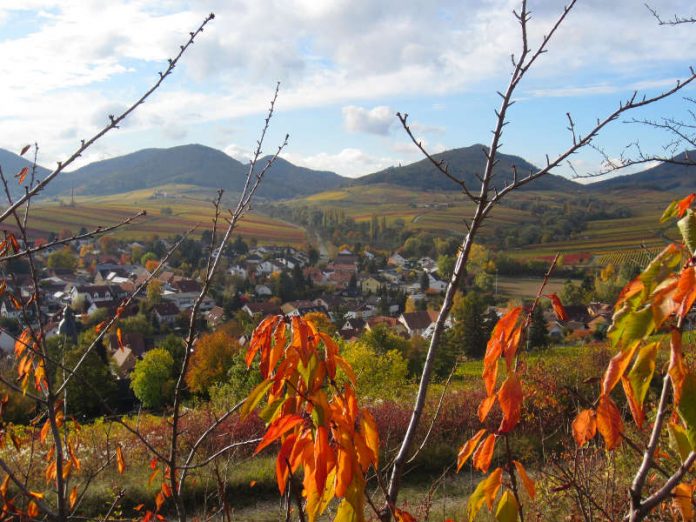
(100, 326)
(617, 367)
(636, 409)
(682, 500)
(558, 308)
(44, 431)
(153, 463)
(344, 472)
(468, 448)
(252, 483)
(609, 422)
(120, 462)
(403, 516)
(584, 427)
(527, 482)
(485, 407)
(22, 174)
(159, 500)
(676, 365)
(510, 399)
(282, 470)
(686, 291)
(368, 426)
(166, 490)
(33, 510)
(119, 337)
(321, 449)
(684, 204)
(277, 428)
(73, 497)
(484, 454)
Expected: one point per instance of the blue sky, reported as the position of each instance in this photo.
(345, 68)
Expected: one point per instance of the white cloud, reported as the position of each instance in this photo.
(238, 152)
(348, 162)
(378, 120)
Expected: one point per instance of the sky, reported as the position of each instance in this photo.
(345, 68)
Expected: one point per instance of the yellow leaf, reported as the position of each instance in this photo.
(508, 509)
(486, 491)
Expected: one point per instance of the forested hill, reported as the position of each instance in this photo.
(191, 165)
(465, 164)
(680, 178)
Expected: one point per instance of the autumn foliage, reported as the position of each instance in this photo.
(318, 424)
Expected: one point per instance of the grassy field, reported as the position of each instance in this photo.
(188, 208)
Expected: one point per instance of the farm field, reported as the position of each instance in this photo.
(188, 209)
(443, 213)
(527, 287)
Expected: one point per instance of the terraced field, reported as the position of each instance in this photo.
(188, 209)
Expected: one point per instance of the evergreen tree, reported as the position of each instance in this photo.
(538, 334)
(469, 335)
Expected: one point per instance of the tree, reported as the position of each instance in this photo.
(154, 292)
(94, 372)
(213, 354)
(424, 281)
(152, 380)
(538, 333)
(64, 258)
(469, 333)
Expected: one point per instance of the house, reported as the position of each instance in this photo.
(397, 260)
(371, 285)
(124, 361)
(186, 285)
(261, 309)
(134, 341)
(238, 271)
(352, 328)
(302, 308)
(92, 293)
(417, 322)
(436, 285)
(263, 291)
(215, 317)
(166, 312)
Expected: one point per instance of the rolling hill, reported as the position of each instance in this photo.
(190, 165)
(664, 177)
(465, 164)
(11, 164)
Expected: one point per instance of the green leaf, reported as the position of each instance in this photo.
(687, 407)
(687, 227)
(508, 510)
(269, 411)
(632, 326)
(642, 371)
(660, 268)
(678, 440)
(256, 395)
(670, 212)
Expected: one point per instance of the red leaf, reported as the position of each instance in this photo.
(558, 307)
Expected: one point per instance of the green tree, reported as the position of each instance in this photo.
(93, 374)
(469, 333)
(424, 281)
(381, 339)
(380, 375)
(64, 258)
(538, 334)
(445, 266)
(152, 380)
